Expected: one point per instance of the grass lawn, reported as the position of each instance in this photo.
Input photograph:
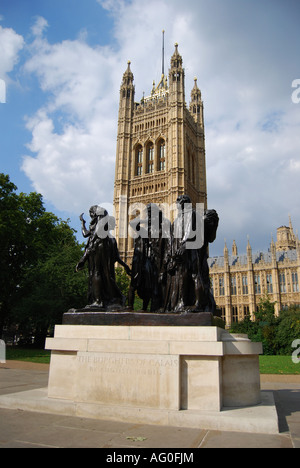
(278, 365)
(28, 354)
(268, 364)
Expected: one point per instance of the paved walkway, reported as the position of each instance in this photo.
(21, 429)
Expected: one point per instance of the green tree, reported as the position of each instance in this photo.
(263, 328)
(276, 333)
(51, 287)
(122, 280)
(246, 326)
(37, 265)
(266, 310)
(14, 251)
(288, 330)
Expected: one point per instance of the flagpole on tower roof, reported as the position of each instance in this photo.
(163, 52)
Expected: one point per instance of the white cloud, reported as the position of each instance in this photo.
(112, 5)
(10, 45)
(40, 25)
(76, 75)
(67, 164)
(2, 91)
(245, 64)
(72, 134)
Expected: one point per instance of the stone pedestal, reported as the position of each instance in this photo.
(155, 374)
(183, 376)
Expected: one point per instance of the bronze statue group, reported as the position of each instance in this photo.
(169, 269)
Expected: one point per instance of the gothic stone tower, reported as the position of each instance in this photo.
(160, 148)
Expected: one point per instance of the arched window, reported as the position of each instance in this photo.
(192, 170)
(161, 155)
(150, 158)
(189, 165)
(139, 160)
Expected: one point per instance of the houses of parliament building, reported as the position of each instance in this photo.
(239, 282)
(161, 155)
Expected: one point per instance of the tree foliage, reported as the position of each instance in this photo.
(276, 333)
(39, 252)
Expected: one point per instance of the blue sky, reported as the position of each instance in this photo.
(62, 63)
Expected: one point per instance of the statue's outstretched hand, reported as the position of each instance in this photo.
(80, 265)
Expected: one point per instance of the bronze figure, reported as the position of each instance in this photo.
(169, 269)
(101, 254)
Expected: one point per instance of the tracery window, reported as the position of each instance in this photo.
(245, 284)
(257, 284)
(139, 161)
(269, 284)
(192, 169)
(295, 282)
(221, 286)
(233, 286)
(282, 283)
(235, 314)
(162, 156)
(150, 159)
